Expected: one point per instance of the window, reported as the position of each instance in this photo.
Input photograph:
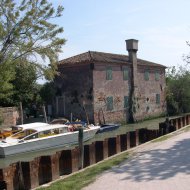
(157, 75)
(126, 101)
(109, 103)
(125, 74)
(157, 98)
(108, 73)
(146, 75)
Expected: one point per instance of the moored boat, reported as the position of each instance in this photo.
(43, 137)
(108, 127)
(14, 129)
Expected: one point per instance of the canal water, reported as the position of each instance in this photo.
(25, 157)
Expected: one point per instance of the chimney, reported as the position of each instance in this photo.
(132, 48)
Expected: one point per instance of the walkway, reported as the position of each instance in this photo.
(156, 166)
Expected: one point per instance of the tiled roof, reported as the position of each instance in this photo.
(93, 56)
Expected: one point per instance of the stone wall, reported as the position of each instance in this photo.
(75, 90)
(86, 84)
(10, 116)
(147, 90)
(116, 88)
(145, 106)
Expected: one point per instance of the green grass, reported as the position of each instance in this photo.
(82, 179)
(163, 138)
(187, 128)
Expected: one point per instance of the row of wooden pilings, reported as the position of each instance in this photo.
(41, 170)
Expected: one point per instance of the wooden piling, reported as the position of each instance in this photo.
(128, 140)
(137, 137)
(81, 148)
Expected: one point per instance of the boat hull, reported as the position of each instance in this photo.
(108, 127)
(50, 142)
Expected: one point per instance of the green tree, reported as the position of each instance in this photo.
(27, 37)
(7, 74)
(178, 91)
(47, 92)
(24, 83)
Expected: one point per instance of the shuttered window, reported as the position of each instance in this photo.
(108, 73)
(146, 75)
(125, 74)
(126, 101)
(157, 75)
(109, 103)
(157, 98)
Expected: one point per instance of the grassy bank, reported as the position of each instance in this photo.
(82, 179)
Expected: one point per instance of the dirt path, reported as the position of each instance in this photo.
(156, 166)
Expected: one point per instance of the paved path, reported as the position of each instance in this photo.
(156, 166)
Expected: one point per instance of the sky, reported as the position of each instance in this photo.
(161, 26)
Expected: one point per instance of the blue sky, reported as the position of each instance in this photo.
(162, 27)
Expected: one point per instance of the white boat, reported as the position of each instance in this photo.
(29, 125)
(43, 137)
(14, 129)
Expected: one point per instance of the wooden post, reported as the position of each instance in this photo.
(34, 175)
(55, 166)
(21, 177)
(187, 119)
(167, 122)
(92, 153)
(44, 111)
(105, 148)
(81, 148)
(176, 124)
(8, 177)
(128, 140)
(118, 144)
(87, 119)
(137, 137)
(181, 122)
(185, 122)
(21, 113)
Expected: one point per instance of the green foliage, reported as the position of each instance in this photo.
(25, 88)
(47, 92)
(7, 74)
(29, 47)
(26, 31)
(178, 91)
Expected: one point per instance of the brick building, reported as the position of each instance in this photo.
(110, 86)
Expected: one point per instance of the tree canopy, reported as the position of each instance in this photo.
(26, 31)
(178, 91)
(28, 38)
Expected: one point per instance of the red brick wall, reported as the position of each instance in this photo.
(82, 84)
(10, 116)
(77, 89)
(148, 90)
(117, 87)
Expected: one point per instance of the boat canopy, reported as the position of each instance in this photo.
(32, 125)
(48, 127)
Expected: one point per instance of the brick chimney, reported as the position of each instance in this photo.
(132, 48)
